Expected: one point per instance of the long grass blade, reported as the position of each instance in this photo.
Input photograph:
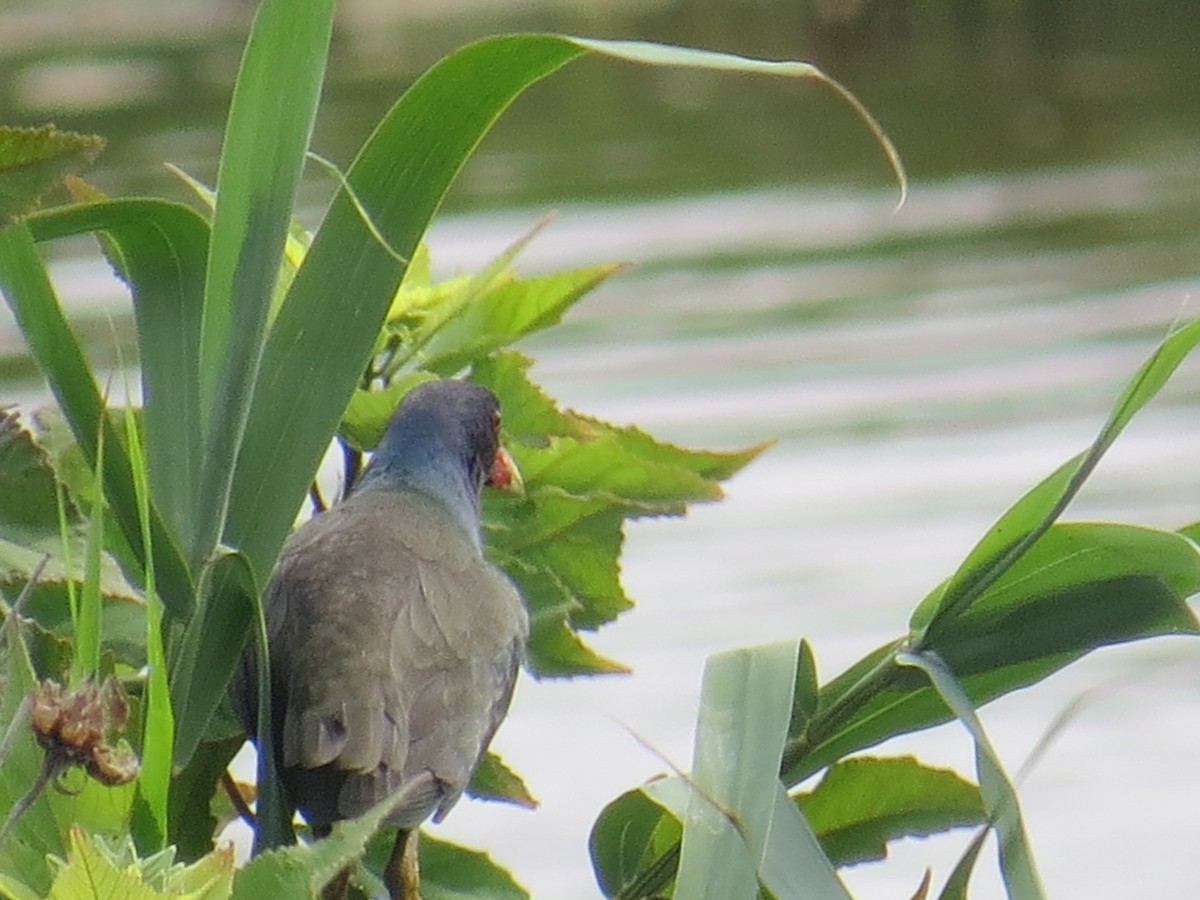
(87, 626)
(1000, 797)
(268, 131)
(158, 727)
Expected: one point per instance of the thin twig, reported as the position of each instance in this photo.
(238, 801)
(53, 765)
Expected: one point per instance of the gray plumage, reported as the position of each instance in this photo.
(394, 643)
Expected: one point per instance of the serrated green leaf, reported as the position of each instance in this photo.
(88, 874)
(449, 871)
(529, 415)
(368, 412)
(26, 482)
(425, 314)
(711, 464)
(33, 160)
(452, 872)
(493, 780)
(862, 803)
(508, 311)
(606, 467)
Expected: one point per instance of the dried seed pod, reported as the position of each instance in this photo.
(113, 765)
(82, 727)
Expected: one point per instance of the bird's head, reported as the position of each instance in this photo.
(444, 439)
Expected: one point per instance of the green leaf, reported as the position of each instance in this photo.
(87, 617)
(451, 872)
(26, 287)
(96, 808)
(956, 885)
(529, 415)
(158, 728)
(713, 465)
(745, 704)
(608, 467)
(26, 483)
(806, 693)
(631, 835)
(862, 803)
(191, 823)
(448, 871)
(1080, 587)
(420, 315)
(1016, 860)
(561, 541)
(33, 160)
(508, 311)
(35, 835)
(89, 875)
(368, 412)
(159, 250)
(493, 780)
(1021, 526)
(266, 137)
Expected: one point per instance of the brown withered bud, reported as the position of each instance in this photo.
(113, 765)
(80, 727)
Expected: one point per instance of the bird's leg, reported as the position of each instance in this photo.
(338, 887)
(402, 874)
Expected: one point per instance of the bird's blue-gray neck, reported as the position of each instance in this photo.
(421, 459)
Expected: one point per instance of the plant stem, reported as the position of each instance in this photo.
(825, 722)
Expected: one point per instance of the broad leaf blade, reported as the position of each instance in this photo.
(745, 705)
(1021, 526)
(629, 836)
(862, 803)
(494, 780)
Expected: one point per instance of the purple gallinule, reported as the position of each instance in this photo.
(394, 642)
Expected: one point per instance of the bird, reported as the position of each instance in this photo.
(394, 643)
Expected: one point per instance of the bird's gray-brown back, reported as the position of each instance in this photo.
(395, 646)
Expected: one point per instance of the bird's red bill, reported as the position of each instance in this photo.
(505, 476)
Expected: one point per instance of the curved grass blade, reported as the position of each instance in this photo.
(27, 288)
(649, 53)
(159, 249)
(999, 796)
(86, 662)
